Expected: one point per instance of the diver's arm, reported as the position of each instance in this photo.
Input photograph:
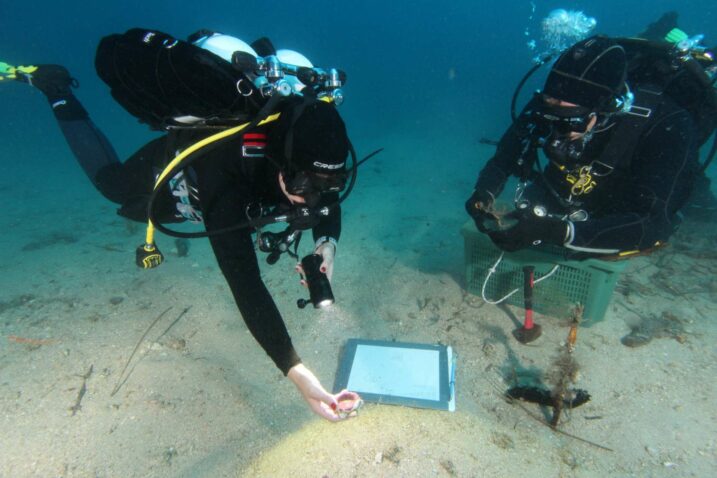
(662, 173)
(238, 262)
(221, 197)
(326, 234)
(493, 176)
(514, 156)
(501, 166)
(320, 401)
(329, 226)
(512, 150)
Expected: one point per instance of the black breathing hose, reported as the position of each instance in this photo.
(522, 82)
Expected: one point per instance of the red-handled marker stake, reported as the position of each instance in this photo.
(530, 330)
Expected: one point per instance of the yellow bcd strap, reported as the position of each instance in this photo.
(149, 237)
(151, 257)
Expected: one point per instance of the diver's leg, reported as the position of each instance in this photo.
(91, 148)
(128, 184)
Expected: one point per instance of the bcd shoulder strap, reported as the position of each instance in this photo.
(629, 130)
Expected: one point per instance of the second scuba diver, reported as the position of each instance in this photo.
(620, 142)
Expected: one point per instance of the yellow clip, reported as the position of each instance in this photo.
(151, 261)
(583, 183)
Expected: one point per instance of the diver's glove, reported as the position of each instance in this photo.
(53, 80)
(531, 229)
(478, 207)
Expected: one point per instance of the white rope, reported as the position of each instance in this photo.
(492, 271)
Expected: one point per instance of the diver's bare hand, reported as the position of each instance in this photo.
(320, 401)
(348, 404)
(327, 251)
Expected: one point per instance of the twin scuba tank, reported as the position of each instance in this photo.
(212, 80)
(283, 72)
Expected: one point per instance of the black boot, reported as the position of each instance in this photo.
(56, 83)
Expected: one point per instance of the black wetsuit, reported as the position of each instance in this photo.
(222, 183)
(632, 206)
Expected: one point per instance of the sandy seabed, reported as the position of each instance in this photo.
(201, 399)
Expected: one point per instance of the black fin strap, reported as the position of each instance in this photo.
(204, 32)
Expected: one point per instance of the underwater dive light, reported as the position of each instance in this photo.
(319, 286)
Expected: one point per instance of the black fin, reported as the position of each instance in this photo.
(263, 47)
(243, 61)
(657, 30)
(204, 32)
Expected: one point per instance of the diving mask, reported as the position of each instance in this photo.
(562, 119)
(567, 130)
(307, 183)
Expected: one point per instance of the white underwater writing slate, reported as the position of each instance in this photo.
(398, 373)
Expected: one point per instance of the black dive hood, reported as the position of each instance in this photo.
(699, 63)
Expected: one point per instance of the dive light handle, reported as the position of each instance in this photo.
(320, 293)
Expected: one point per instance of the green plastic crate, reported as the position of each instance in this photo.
(589, 282)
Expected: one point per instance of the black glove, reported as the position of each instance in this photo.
(530, 230)
(478, 207)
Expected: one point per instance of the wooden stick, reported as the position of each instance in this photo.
(83, 389)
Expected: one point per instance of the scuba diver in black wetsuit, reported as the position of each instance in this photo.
(289, 167)
(620, 145)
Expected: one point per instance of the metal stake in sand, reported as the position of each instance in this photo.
(530, 330)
